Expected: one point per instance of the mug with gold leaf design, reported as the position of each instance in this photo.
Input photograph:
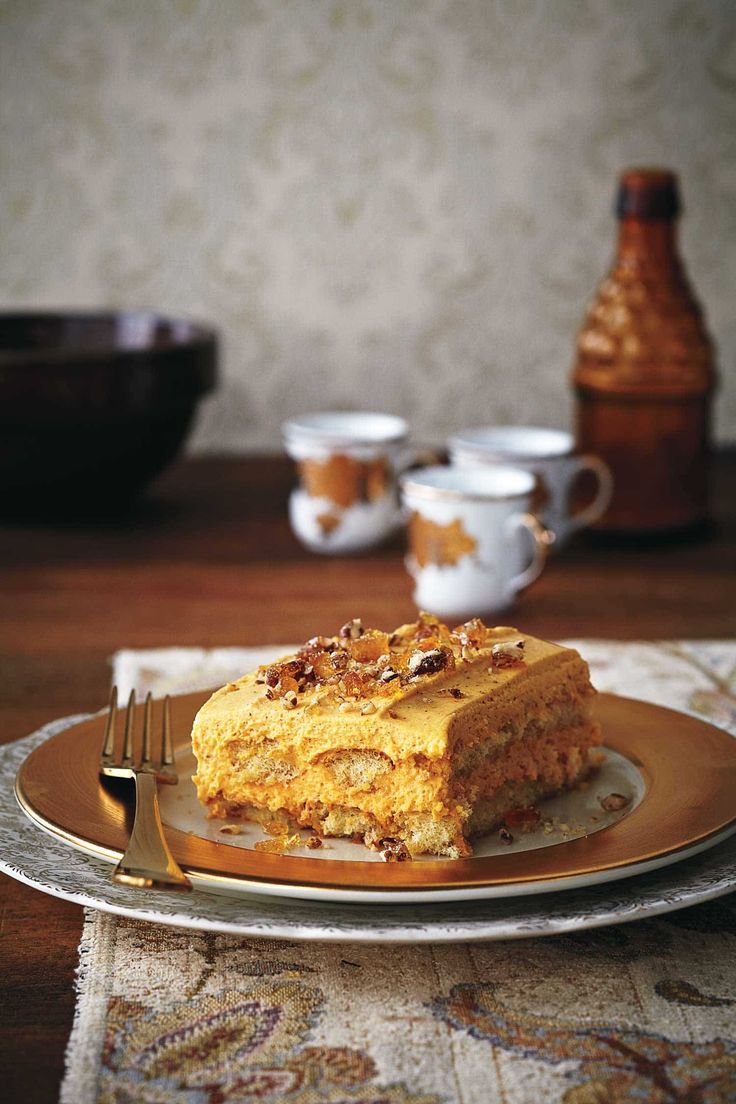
(347, 463)
(550, 455)
(473, 541)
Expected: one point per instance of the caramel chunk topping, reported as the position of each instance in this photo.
(357, 666)
(279, 844)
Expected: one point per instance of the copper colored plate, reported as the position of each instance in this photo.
(688, 768)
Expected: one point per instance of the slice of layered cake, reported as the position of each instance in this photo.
(422, 737)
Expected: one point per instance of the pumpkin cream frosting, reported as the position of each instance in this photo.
(413, 741)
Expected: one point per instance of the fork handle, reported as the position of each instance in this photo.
(148, 862)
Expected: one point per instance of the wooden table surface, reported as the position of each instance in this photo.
(207, 558)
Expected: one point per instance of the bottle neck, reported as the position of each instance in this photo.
(647, 239)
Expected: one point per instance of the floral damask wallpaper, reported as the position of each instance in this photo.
(398, 204)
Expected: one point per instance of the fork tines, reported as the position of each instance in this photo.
(165, 757)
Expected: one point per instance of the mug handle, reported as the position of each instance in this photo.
(542, 538)
(602, 499)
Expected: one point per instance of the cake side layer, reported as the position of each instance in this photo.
(411, 718)
(372, 781)
(421, 833)
(498, 711)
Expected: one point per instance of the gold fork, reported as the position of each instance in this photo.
(148, 862)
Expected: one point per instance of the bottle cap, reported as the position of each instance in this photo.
(648, 194)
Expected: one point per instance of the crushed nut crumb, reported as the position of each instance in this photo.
(369, 707)
(428, 663)
(314, 842)
(231, 829)
(351, 630)
(507, 654)
(526, 819)
(393, 850)
(504, 835)
(613, 802)
(289, 700)
(349, 707)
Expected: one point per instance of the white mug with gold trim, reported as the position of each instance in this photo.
(347, 463)
(550, 455)
(473, 542)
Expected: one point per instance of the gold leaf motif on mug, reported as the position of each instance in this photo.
(328, 523)
(345, 480)
(444, 545)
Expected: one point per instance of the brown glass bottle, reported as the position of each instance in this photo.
(644, 374)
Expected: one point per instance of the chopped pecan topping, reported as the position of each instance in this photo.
(429, 663)
(504, 835)
(507, 654)
(340, 661)
(351, 630)
(314, 842)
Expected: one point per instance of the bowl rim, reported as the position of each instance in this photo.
(201, 337)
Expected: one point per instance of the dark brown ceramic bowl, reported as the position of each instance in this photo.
(93, 406)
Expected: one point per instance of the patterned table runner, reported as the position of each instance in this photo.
(637, 1013)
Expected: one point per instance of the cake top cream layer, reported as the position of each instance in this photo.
(402, 693)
